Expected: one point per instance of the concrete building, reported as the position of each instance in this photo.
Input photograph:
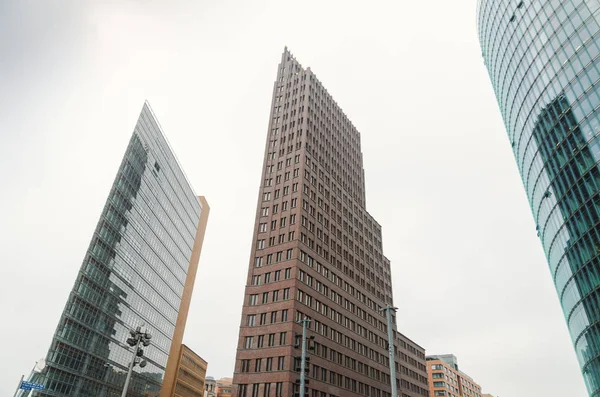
(317, 254)
(445, 379)
(139, 270)
(191, 374)
(543, 62)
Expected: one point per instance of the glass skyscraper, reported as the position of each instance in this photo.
(543, 60)
(137, 272)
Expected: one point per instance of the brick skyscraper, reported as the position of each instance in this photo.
(318, 254)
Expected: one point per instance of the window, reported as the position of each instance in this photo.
(288, 255)
(282, 338)
(248, 342)
(292, 221)
(245, 366)
(260, 244)
(267, 390)
(275, 296)
(269, 365)
(278, 390)
(280, 363)
(262, 227)
(277, 275)
(255, 390)
(286, 293)
(263, 319)
(439, 384)
(266, 196)
(255, 280)
(284, 315)
(242, 389)
(258, 261)
(288, 273)
(261, 341)
(264, 211)
(271, 340)
(265, 298)
(253, 300)
(251, 320)
(273, 317)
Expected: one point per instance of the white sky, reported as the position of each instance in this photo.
(470, 277)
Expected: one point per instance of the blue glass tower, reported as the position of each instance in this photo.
(136, 272)
(543, 60)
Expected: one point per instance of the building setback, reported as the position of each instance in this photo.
(544, 65)
(317, 254)
(445, 379)
(139, 270)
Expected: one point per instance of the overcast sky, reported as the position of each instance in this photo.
(470, 277)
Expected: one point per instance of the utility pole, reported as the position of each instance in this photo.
(137, 337)
(388, 309)
(304, 322)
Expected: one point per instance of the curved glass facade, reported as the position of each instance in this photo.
(543, 60)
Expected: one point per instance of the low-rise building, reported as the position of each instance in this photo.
(445, 379)
(191, 374)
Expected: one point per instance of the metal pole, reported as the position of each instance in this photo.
(388, 310)
(303, 362)
(126, 386)
(19, 386)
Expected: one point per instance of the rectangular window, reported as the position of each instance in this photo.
(280, 363)
(288, 273)
(288, 255)
(278, 390)
(258, 365)
(242, 390)
(253, 300)
(273, 317)
(271, 340)
(267, 390)
(282, 338)
(245, 366)
(269, 365)
(261, 341)
(286, 293)
(251, 320)
(260, 244)
(248, 342)
(284, 315)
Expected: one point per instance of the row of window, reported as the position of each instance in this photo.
(261, 279)
(260, 340)
(277, 295)
(251, 319)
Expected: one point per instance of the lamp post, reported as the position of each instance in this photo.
(389, 309)
(137, 338)
(303, 359)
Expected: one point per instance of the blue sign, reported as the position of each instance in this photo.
(31, 386)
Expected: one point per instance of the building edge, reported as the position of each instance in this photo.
(169, 380)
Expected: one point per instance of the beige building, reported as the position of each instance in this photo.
(445, 379)
(191, 374)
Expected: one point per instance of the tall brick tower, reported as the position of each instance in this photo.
(317, 254)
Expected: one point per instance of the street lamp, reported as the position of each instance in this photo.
(388, 309)
(137, 338)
